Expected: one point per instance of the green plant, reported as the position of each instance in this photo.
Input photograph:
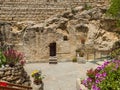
(114, 11)
(104, 77)
(2, 59)
(112, 80)
(115, 53)
(74, 59)
(13, 57)
(37, 76)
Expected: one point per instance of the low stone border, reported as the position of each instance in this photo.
(15, 75)
(79, 86)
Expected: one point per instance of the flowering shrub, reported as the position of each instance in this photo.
(104, 77)
(13, 57)
(37, 76)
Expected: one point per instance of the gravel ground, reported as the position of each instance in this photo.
(61, 76)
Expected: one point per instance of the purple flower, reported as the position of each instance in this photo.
(103, 66)
(104, 74)
(99, 68)
(89, 79)
(97, 81)
(94, 87)
(98, 75)
(116, 62)
(84, 82)
(117, 66)
(106, 63)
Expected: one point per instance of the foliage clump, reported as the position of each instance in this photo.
(74, 59)
(114, 10)
(115, 53)
(11, 57)
(2, 59)
(104, 77)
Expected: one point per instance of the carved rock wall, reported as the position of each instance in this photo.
(71, 30)
(37, 10)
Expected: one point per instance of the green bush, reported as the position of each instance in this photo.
(2, 59)
(74, 59)
(104, 77)
(112, 80)
(115, 53)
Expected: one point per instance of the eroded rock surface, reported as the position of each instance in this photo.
(67, 30)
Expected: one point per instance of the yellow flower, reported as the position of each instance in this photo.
(35, 71)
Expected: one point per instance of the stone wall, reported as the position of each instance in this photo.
(37, 10)
(16, 75)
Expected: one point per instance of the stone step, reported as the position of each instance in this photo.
(52, 60)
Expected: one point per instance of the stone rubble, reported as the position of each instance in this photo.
(15, 75)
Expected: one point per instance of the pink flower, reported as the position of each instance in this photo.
(22, 62)
(94, 87)
(104, 74)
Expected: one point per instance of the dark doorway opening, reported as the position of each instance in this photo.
(53, 49)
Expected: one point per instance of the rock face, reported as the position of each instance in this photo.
(37, 10)
(16, 75)
(61, 35)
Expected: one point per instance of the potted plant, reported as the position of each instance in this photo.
(37, 77)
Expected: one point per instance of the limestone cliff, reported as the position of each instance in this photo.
(69, 30)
